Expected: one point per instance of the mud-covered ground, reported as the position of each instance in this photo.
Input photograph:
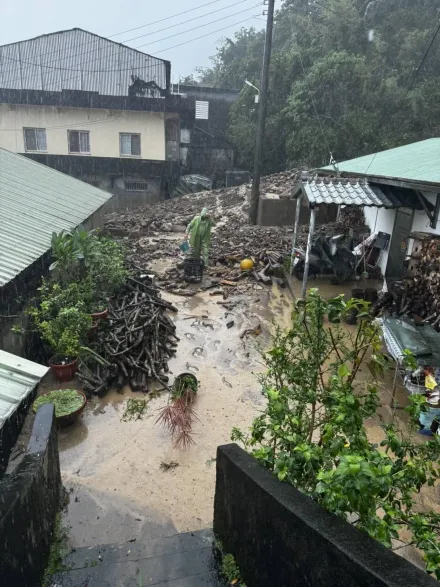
(114, 470)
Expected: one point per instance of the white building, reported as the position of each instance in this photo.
(409, 176)
(92, 108)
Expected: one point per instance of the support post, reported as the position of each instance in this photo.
(295, 228)
(309, 248)
(255, 193)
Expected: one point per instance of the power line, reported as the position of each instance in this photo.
(87, 123)
(113, 35)
(207, 35)
(86, 72)
(416, 73)
(163, 19)
(184, 22)
(332, 160)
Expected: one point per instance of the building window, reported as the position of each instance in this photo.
(35, 139)
(136, 186)
(202, 110)
(130, 144)
(79, 141)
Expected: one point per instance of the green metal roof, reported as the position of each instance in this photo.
(36, 201)
(416, 162)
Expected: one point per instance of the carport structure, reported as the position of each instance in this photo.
(350, 192)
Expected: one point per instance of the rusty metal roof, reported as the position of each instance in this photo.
(345, 192)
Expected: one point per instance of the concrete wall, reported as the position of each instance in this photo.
(30, 500)
(279, 536)
(104, 127)
(273, 211)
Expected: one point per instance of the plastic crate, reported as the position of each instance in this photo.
(193, 270)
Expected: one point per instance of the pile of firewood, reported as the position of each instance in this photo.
(422, 296)
(134, 344)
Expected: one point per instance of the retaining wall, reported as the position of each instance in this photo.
(279, 536)
(29, 502)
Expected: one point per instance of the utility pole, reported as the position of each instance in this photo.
(255, 193)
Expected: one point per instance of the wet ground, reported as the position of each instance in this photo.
(112, 469)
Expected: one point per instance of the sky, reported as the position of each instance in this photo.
(24, 19)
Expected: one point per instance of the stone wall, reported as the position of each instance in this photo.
(279, 536)
(29, 502)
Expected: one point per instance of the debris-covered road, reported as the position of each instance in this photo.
(155, 232)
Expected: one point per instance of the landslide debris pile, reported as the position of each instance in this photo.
(155, 232)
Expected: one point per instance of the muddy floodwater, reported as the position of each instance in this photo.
(112, 469)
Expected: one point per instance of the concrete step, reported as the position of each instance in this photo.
(181, 560)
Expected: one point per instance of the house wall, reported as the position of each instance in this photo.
(104, 127)
(382, 220)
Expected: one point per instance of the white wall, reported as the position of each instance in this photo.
(104, 127)
(380, 220)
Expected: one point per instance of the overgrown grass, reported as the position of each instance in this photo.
(229, 567)
(58, 551)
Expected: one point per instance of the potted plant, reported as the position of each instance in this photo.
(68, 404)
(63, 328)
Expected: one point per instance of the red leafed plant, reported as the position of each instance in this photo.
(178, 415)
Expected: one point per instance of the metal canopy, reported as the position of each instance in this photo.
(18, 377)
(344, 192)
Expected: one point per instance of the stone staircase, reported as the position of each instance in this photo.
(181, 560)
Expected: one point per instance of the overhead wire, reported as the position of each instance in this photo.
(73, 47)
(87, 123)
(332, 160)
(116, 34)
(416, 73)
(131, 68)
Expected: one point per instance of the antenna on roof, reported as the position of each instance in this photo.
(334, 163)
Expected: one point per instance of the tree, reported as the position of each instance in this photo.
(312, 432)
(356, 60)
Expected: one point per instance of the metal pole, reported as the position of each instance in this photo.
(255, 193)
(309, 247)
(295, 229)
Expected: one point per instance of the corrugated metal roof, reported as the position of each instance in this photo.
(36, 201)
(77, 60)
(18, 377)
(418, 162)
(343, 192)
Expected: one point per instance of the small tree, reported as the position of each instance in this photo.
(312, 431)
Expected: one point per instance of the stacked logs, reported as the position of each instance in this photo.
(134, 344)
(422, 297)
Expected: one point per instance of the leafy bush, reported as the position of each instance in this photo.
(97, 262)
(312, 431)
(61, 319)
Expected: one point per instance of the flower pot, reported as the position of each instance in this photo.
(70, 418)
(64, 372)
(100, 315)
(91, 334)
